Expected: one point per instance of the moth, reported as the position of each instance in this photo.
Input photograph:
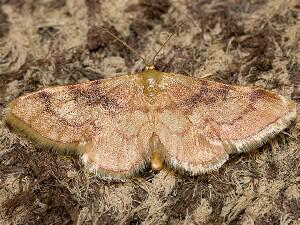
(120, 125)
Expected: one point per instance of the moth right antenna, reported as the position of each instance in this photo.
(163, 45)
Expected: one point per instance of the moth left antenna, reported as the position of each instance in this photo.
(125, 44)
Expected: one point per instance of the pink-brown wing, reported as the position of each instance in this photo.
(106, 121)
(201, 122)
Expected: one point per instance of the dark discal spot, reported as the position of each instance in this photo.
(257, 94)
(92, 96)
(208, 96)
(95, 98)
(44, 97)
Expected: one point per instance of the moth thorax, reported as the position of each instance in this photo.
(151, 87)
(151, 79)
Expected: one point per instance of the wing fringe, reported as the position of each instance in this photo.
(265, 134)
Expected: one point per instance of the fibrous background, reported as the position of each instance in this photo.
(46, 43)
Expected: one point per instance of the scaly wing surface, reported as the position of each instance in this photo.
(201, 122)
(105, 121)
